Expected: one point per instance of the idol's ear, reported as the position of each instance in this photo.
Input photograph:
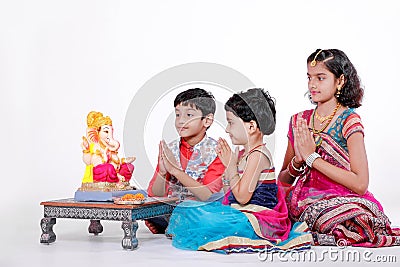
(92, 135)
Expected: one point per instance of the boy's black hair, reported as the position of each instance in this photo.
(254, 104)
(338, 63)
(199, 98)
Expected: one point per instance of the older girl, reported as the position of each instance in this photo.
(327, 159)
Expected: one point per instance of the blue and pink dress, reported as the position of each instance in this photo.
(262, 224)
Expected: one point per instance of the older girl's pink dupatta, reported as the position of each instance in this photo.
(333, 212)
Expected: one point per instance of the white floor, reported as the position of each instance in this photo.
(75, 246)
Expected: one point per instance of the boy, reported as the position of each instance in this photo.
(188, 167)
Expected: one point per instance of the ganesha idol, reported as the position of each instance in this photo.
(105, 171)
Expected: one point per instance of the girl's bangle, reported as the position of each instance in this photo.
(299, 170)
(225, 182)
(291, 174)
(293, 171)
(310, 159)
(299, 163)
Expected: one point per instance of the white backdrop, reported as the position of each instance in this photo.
(61, 59)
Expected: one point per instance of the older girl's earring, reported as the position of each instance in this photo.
(338, 91)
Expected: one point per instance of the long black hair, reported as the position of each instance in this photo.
(338, 63)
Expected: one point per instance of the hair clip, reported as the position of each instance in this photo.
(314, 62)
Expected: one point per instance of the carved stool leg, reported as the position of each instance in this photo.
(95, 227)
(48, 236)
(129, 241)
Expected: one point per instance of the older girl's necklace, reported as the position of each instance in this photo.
(328, 119)
(320, 118)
